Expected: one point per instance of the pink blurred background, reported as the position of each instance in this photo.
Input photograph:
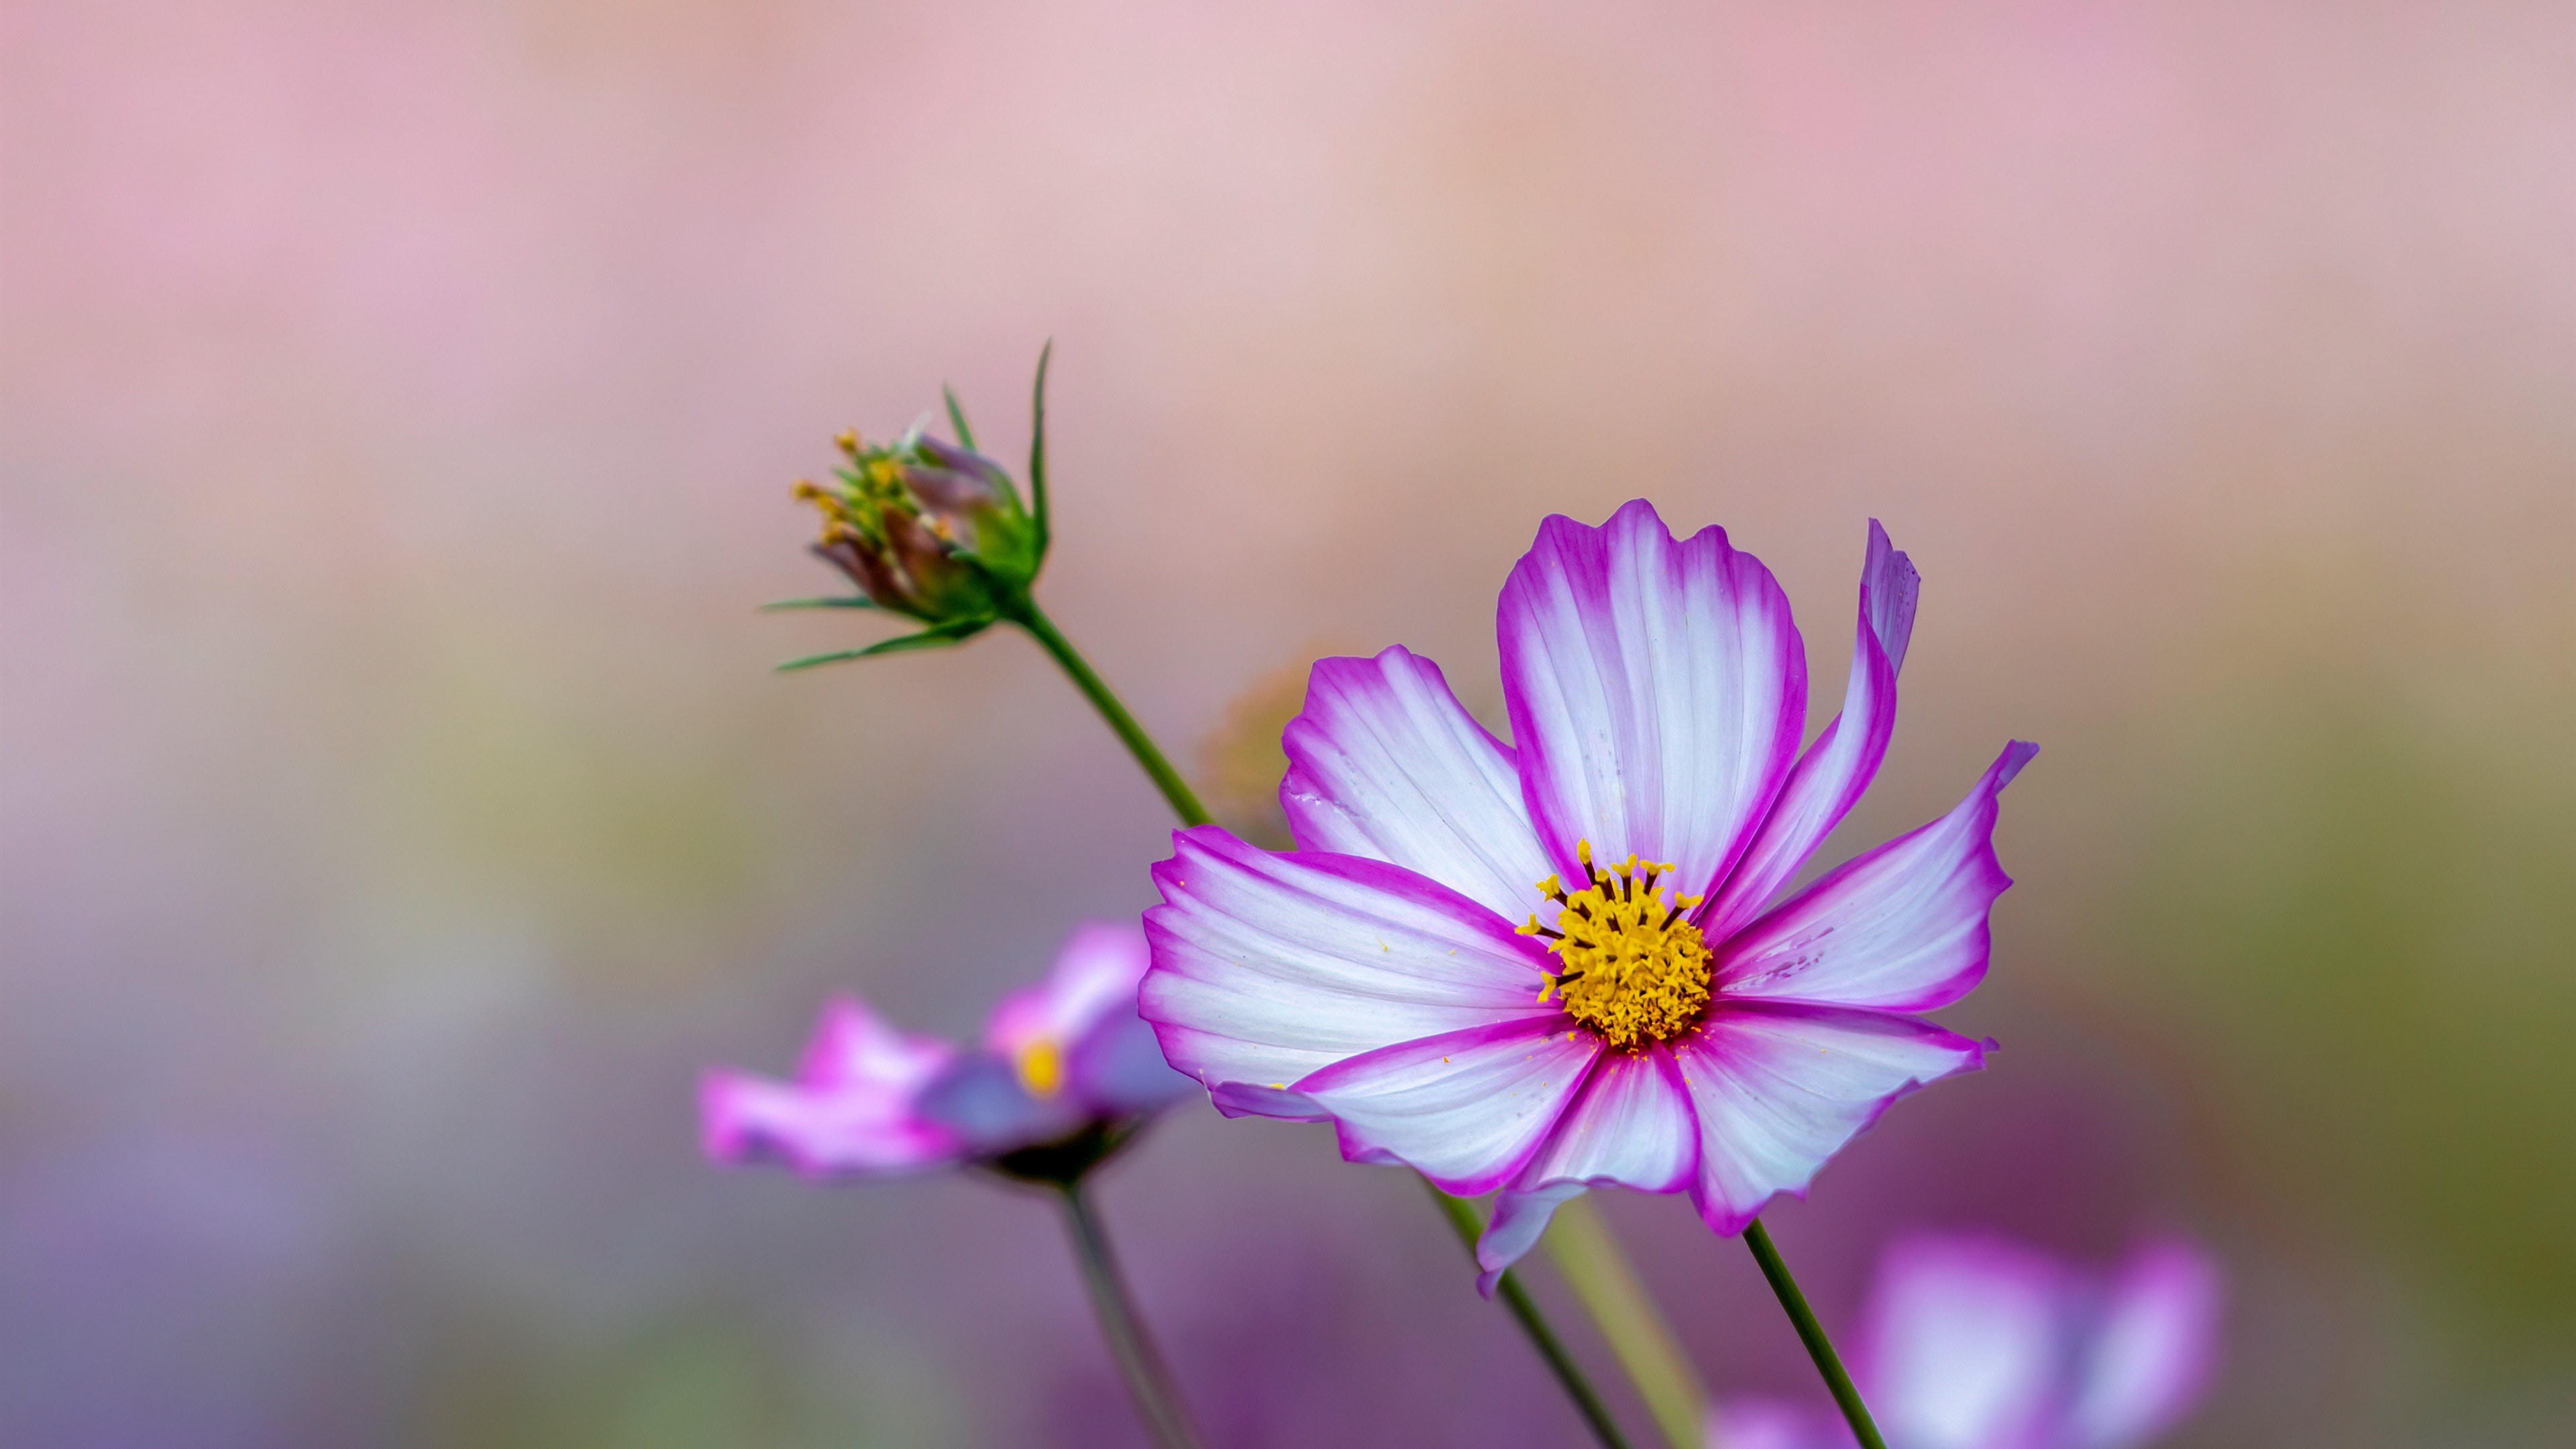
(397, 406)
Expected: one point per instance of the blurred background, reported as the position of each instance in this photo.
(398, 405)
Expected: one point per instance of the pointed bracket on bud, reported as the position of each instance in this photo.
(900, 644)
(1037, 451)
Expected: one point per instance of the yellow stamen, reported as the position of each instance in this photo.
(1634, 970)
(838, 521)
(1041, 1065)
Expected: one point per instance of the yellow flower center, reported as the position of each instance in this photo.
(1635, 971)
(1041, 1065)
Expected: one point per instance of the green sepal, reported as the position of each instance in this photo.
(901, 644)
(957, 418)
(852, 601)
(1037, 460)
(1063, 1162)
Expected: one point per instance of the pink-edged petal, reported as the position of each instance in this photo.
(1268, 967)
(2153, 1349)
(1781, 1086)
(851, 1108)
(1964, 1342)
(1094, 975)
(1836, 770)
(1385, 763)
(1632, 1127)
(1520, 1220)
(1901, 928)
(1657, 691)
(1466, 1109)
(1243, 1099)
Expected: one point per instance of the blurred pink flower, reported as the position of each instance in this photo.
(1660, 1037)
(1980, 1343)
(1064, 1061)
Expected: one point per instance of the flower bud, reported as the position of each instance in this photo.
(926, 529)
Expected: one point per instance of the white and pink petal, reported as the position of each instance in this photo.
(1632, 1127)
(1780, 1087)
(1467, 1109)
(1836, 770)
(1268, 967)
(1657, 690)
(1520, 1219)
(1385, 763)
(1902, 928)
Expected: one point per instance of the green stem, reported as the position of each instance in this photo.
(1184, 802)
(1157, 1401)
(1579, 1242)
(1470, 1226)
(1812, 1334)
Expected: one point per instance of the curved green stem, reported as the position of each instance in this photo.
(1470, 1225)
(1158, 1402)
(1184, 802)
(1812, 1334)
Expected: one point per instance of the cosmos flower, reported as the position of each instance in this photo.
(1538, 968)
(1065, 1064)
(1972, 1342)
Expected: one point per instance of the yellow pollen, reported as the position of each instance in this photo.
(1634, 970)
(1041, 1065)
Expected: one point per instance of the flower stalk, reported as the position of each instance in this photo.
(1158, 1400)
(1812, 1334)
(1024, 611)
(1470, 1226)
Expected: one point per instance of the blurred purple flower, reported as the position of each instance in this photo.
(1980, 1343)
(1662, 1039)
(1064, 1062)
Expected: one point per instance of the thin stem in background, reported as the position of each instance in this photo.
(1812, 1334)
(1579, 1242)
(1158, 1402)
(1470, 1225)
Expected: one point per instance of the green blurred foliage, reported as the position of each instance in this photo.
(2362, 920)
